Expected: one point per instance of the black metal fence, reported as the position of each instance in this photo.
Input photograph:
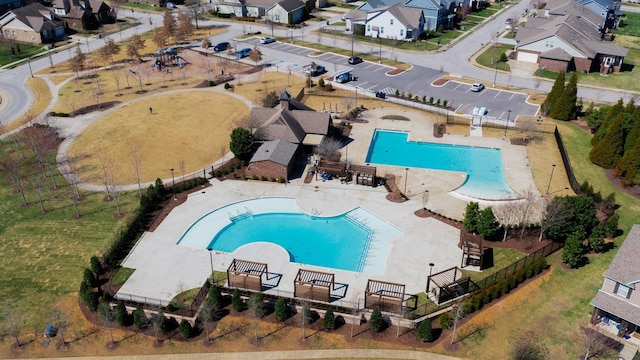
(567, 164)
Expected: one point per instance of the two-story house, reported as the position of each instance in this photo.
(83, 14)
(33, 23)
(617, 304)
(283, 11)
(396, 22)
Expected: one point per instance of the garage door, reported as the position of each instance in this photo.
(528, 57)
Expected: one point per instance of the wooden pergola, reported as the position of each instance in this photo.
(314, 285)
(384, 296)
(472, 253)
(361, 174)
(447, 285)
(246, 274)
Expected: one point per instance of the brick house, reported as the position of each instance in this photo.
(33, 23)
(568, 37)
(83, 14)
(282, 133)
(617, 304)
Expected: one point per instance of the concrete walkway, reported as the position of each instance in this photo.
(293, 354)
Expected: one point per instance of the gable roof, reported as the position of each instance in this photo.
(617, 306)
(423, 4)
(409, 16)
(290, 5)
(278, 151)
(356, 15)
(36, 16)
(624, 267)
(556, 54)
(375, 4)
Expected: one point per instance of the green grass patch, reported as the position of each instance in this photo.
(122, 275)
(630, 25)
(184, 299)
(485, 13)
(343, 5)
(489, 58)
(26, 50)
(501, 259)
(143, 7)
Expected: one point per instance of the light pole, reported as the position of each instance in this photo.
(553, 167)
(213, 275)
(431, 265)
(406, 174)
(495, 75)
(356, 97)
(351, 42)
(173, 186)
(380, 57)
(29, 61)
(507, 124)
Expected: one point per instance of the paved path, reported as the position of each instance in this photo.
(293, 354)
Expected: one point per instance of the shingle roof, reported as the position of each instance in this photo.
(290, 5)
(617, 306)
(34, 15)
(624, 267)
(557, 54)
(356, 15)
(409, 16)
(279, 151)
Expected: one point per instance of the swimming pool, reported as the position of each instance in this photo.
(483, 166)
(354, 241)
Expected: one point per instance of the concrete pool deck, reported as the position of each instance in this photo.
(165, 269)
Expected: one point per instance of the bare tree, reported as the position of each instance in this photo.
(195, 9)
(161, 39)
(135, 155)
(40, 144)
(183, 167)
(139, 75)
(37, 185)
(347, 101)
(73, 176)
(158, 324)
(506, 214)
(116, 71)
(108, 316)
(207, 66)
(76, 64)
(60, 320)
(528, 346)
(328, 147)
(74, 199)
(113, 187)
(134, 46)
(256, 55)
(12, 318)
(185, 27)
(553, 213)
(528, 127)
(598, 345)
(169, 24)
(524, 212)
(106, 166)
(457, 316)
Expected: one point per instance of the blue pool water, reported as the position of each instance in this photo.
(485, 173)
(336, 242)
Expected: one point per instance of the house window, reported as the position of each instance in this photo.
(623, 290)
(391, 22)
(381, 29)
(548, 44)
(401, 32)
(368, 27)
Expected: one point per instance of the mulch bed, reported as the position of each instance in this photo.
(440, 82)
(169, 204)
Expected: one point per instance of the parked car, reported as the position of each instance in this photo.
(477, 87)
(243, 53)
(508, 21)
(355, 60)
(267, 40)
(221, 46)
(170, 5)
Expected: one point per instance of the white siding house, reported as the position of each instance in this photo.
(286, 12)
(396, 22)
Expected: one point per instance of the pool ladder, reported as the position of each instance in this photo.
(367, 243)
(248, 213)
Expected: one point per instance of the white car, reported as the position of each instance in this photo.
(170, 5)
(267, 40)
(477, 87)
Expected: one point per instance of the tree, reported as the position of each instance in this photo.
(140, 318)
(573, 251)
(236, 300)
(215, 298)
(122, 317)
(159, 325)
(206, 313)
(12, 319)
(185, 27)
(96, 265)
(160, 39)
(458, 314)
(195, 9)
(281, 311)
(613, 112)
(608, 152)
(596, 239)
(470, 219)
(487, 224)
(270, 100)
(241, 143)
(169, 25)
(329, 320)
(328, 147)
(425, 331)
(565, 106)
(108, 51)
(556, 92)
(376, 322)
(255, 55)
(185, 328)
(76, 64)
(553, 213)
(581, 215)
(528, 346)
(256, 302)
(134, 46)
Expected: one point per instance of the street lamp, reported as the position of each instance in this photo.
(553, 167)
(173, 186)
(213, 275)
(431, 265)
(507, 124)
(380, 57)
(406, 173)
(495, 75)
(29, 61)
(356, 97)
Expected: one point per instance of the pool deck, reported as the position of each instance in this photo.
(164, 269)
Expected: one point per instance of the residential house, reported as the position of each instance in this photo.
(6, 5)
(617, 304)
(284, 11)
(33, 23)
(279, 130)
(568, 37)
(83, 14)
(608, 10)
(396, 22)
(287, 12)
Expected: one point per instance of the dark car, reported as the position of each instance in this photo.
(221, 46)
(243, 53)
(355, 60)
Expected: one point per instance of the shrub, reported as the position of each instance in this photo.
(281, 310)
(445, 320)
(211, 83)
(215, 298)
(445, 102)
(438, 102)
(329, 320)
(409, 96)
(89, 278)
(415, 98)
(139, 318)
(273, 179)
(263, 178)
(236, 301)
(227, 86)
(424, 99)
(309, 82)
(430, 99)
(397, 92)
(186, 329)
(425, 331)
(218, 173)
(255, 177)
(321, 82)
(328, 87)
(376, 322)
(257, 304)
(96, 266)
(122, 317)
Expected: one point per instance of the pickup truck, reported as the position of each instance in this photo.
(314, 69)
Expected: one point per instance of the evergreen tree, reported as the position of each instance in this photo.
(281, 311)
(633, 135)
(122, 317)
(629, 165)
(329, 320)
(236, 300)
(565, 107)
(607, 152)
(572, 254)
(185, 328)
(425, 331)
(241, 143)
(139, 318)
(614, 111)
(96, 266)
(596, 240)
(554, 94)
(487, 224)
(376, 322)
(215, 298)
(470, 220)
(89, 278)
(611, 225)
(257, 304)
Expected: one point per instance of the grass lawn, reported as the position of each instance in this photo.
(174, 136)
(631, 25)
(489, 57)
(26, 50)
(143, 6)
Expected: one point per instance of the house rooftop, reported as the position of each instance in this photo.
(279, 151)
(624, 267)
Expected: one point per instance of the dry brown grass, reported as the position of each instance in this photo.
(42, 98)
(180, 130)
